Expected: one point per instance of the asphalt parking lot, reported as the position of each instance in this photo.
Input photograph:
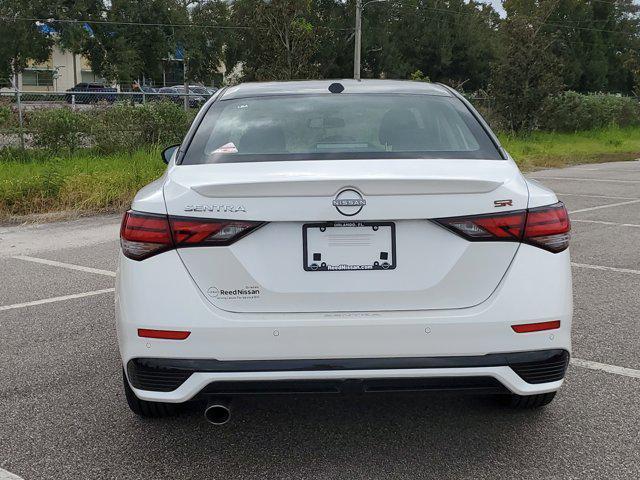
(63, 413)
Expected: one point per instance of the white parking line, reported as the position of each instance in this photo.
(627, 372)
(4, 475)
(601, 267)
(619, 204)
(602, 222)
(56, 299)
(595, 196)
(588, 179)
(70, 266)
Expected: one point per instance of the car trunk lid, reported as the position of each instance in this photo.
(272, 268)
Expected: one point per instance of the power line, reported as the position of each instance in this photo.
(249, 27)
(146, 24)
(109, 22)
(549, 24)
(616, 4)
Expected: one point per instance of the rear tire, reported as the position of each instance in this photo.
(528, 402)
(144, 408)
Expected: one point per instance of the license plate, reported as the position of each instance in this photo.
(348, 246)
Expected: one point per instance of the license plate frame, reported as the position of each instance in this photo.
(382, 265)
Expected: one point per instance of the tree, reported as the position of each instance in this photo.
(124, 51)
(204, 43)
(21, 41)
(596, 42)
(451, 41)
(278, 40)
(527, 72)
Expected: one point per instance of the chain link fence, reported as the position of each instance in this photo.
(18, 107)
(111, 119)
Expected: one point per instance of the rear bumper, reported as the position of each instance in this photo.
(536, 288)
(178, 380)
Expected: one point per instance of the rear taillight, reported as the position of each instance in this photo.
(488, 228)
(548, 227)
(545, 227)
(145, 234)
(194, 231)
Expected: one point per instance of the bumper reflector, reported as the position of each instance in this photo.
(536, 327)
(165, 334)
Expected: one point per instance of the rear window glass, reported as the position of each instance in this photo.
(338, 126)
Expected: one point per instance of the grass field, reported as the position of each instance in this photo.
(547, 150)
(37, 182)
(81, 183)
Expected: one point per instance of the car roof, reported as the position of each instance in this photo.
(307, 87)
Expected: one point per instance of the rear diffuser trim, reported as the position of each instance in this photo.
(172, 372)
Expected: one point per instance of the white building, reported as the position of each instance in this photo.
(60, 72)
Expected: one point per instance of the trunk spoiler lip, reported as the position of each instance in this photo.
(305, 187)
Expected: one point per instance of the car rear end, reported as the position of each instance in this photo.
(373, 240)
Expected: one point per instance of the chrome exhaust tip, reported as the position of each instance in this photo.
(217, 413)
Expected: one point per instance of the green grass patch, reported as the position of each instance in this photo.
(83, 182)
(549, 149)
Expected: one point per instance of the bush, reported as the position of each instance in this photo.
(165, 123)
(126, 127)
(571, 112)
(485, 107)
(6, 116)
(59, 129)
(117, 128)
(121, 127)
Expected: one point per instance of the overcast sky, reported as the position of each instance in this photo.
(497, 4)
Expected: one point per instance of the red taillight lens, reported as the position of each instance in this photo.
(165, 334)
(548, 227)
(545, 227)
(536, 327)
(192, 231)
(493, 227)
(145, 234)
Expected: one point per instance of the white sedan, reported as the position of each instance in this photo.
(339, 236)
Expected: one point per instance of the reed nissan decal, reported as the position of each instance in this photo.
(246, 293)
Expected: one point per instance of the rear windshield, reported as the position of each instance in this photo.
(338, 126)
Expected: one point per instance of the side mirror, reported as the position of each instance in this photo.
(168, 152)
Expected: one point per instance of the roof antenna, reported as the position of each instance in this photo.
(336, 88)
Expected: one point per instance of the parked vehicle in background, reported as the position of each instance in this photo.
(200, 90)
(198, 95)
(367, 236)
(90, 93)
(145, 93)
(176, 94)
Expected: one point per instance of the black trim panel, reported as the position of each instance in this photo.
(213, 365)
(180, 369)
(356, 385)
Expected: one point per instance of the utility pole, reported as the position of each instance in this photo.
(358, 42)
(186, 83)
(16, 85)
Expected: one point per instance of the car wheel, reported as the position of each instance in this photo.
(526, 402)
(144, 408)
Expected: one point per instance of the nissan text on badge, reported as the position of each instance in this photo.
(326, 236)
